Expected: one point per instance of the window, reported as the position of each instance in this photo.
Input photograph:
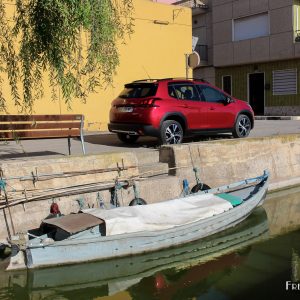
(251, 27)
(139, 90)
(226, 84)
(210, 94)
(285, 82)
(183, 91)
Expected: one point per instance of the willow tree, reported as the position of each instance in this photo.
(74, 42)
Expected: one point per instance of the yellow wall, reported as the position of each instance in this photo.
(153, 50)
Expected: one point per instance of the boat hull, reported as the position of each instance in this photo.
(108, 247)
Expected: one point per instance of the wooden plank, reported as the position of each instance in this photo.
(39, 134)
(31, 118)
(36, 126)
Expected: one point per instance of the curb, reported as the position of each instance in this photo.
(284, 184)
(294, 118)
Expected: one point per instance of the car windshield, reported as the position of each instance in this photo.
(139, 90)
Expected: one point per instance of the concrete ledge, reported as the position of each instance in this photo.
(284, 184)
(220, 162)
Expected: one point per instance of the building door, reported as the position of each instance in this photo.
(256, 84)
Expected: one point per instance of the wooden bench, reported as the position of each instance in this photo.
(15, 127)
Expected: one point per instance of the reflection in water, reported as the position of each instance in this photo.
(295, 266)
(224, 266)
(109, 277)
(283, 210)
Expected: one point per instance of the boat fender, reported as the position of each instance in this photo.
(160, 281)
(14, 250)
(137, 201)
(5, 250)
(186, 189)
(200, 187)
(47, 241)
(54, 211)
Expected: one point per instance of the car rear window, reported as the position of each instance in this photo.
(139, 90)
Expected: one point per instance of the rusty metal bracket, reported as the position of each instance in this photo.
(35, 177)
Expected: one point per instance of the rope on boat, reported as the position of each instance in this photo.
(196, 170)
(2, 184)
(136, 191)
(3, 188)
(114, 194)
(79, 189)
(100, 201)
(44, 194)
(81, 203)
(42, 177)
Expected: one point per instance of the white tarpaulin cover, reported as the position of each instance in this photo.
(159, 216)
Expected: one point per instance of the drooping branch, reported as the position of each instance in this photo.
(8, 60)
(74, 41)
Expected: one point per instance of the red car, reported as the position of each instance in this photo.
(171, 109)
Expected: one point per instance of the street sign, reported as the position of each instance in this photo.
(193, 60)
(194, 42)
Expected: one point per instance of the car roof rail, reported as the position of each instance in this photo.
(148, 79)
(186, 79)
(199, 79)
(170, 78)
(189, 78)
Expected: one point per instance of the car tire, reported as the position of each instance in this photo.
(171, 132)
(200, 187)
(137, 201)
(127, 138)
(242, 126)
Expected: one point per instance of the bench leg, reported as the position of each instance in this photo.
(69, 145)
(82, 138)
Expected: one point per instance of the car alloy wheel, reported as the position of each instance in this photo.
(171, 132)
(242, 126)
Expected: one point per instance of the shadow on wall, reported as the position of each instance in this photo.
(13, 155)
(148, 142)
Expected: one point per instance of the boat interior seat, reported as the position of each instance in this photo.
(255, 190)
(234, 200)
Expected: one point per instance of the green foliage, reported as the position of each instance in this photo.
(74, 41)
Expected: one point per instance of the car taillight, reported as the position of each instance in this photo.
(150, 102)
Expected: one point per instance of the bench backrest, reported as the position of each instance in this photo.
(40, 126)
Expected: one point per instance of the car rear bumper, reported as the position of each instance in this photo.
(133, 129)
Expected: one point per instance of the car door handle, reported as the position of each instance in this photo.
(211, 108)
(184, 105)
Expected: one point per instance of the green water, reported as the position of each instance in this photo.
(251, 261)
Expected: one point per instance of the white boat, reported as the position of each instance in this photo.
(115, 275)
(98, 234)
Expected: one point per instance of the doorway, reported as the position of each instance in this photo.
(256, 92)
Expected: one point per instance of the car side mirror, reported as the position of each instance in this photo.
(228, 100)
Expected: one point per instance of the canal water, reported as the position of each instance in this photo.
(258, 259)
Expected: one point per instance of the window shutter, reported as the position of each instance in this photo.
(285, 82)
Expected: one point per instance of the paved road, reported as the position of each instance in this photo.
(106, 142)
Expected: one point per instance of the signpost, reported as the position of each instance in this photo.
(192, 61)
